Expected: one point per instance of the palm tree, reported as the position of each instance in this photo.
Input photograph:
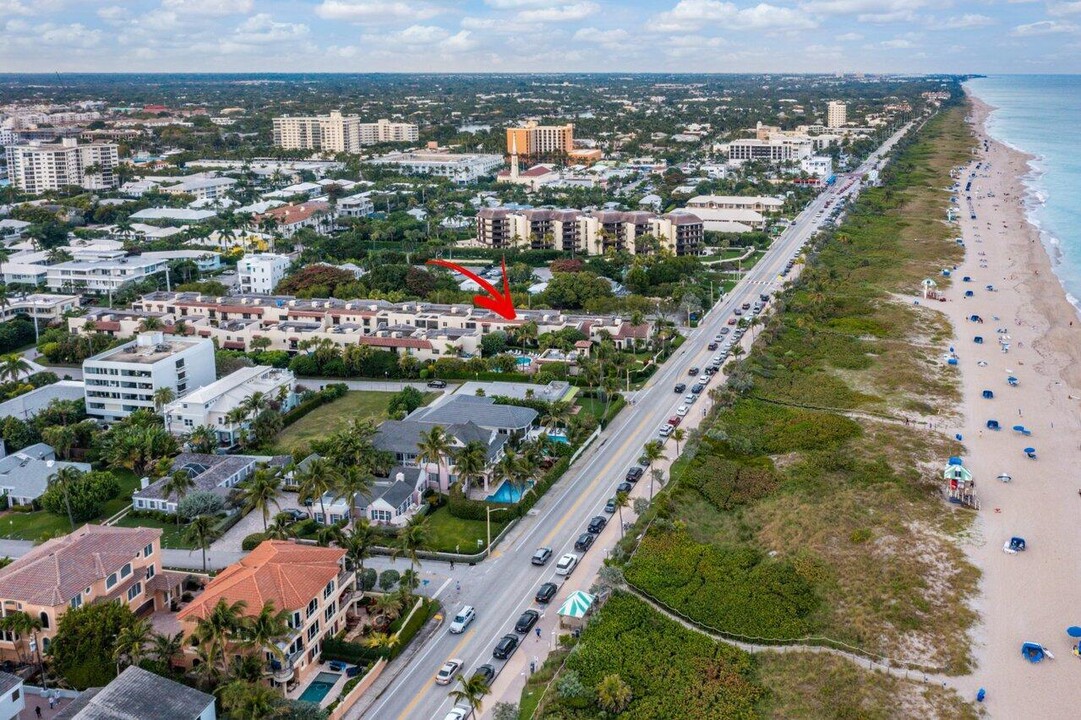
(382, 641)
(13, 366)
(162, 397)
(62, 438)
(677, 435)
(203, 439)
(23, 625)
(434, 446)
(201, 531)
(470, 462)
(261, 492)
(130, 646)
(248, 701)
(164, 648)
(220, 627)
(315, 481)
(180, 483)
(558, 415)
(653, 451)
(358, 544)
(412, 539)
(613, 694)
(65, 478)
(470, 692)
(354, 481)
(149, 323)
(388, 605)
(280, 529)
(622, 500)
(265, 630)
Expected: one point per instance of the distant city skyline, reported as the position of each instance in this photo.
(915, 36)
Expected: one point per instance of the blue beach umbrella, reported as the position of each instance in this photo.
(1074, 631)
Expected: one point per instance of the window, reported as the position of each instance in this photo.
(125, 571)
(148, 550)
(76, 601)
(328, 590)
(15, 695)
(110, 581)
(313, 630)
(329, 612)
(313, 606)
(44, 617)
(150, 571)
(295, 620)
(135, 591)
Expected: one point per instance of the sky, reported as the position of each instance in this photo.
(917, 36)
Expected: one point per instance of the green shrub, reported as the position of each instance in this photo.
(85, 496)
(388, 579)
(252, 541)
(200, 502)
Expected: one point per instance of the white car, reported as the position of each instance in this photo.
(665, 430)
(689, 399)
(447, 673)
(566, 564)
(461, 621)
(458, 713)
(682, 410)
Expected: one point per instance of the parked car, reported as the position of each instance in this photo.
(665, 430)
(505, 647)
(731, 321)
(294, 514)
(682, 410)
(710, 370)
(448, 672)
(696, 388)
(746, 306)
(458, 712)
(542, 556)
(712, 346)
(487, 672)
(680, 387)
(625, 487)
(610, 506)
(596, 524)
(675, 420)
(737, 312)
(437, 383)
(692, 371)
(635, 474)
(546, 592)
(566, 564)
(461, 621)
(584, 542)
(526, 622)
(689, 399)
(725, 331)
(764, 297)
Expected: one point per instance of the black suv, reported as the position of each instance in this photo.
(680, 388)
(526, 622)
(692, 371)
(583, 542)
(712, 346)
(635, 474)
(546, 592)
(505, 647)
(597, 524)
(487, 672)
(624, 487)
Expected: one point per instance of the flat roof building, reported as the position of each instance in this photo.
(533, 139)
(40, 167)
(460, 168)
(338, 133)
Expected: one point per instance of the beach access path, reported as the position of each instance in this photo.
(1034, 595)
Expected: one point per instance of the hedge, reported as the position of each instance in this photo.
(252, 541)
(329, 393)
(462, 507)
(337, 649)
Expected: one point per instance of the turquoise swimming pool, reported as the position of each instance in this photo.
(319, 687)
(524, 360)
(505, 493)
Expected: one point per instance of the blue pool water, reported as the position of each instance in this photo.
(559, 439)
(524, 361)
(319, 687)
(506, 493)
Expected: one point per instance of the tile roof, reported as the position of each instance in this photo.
(286, 573)
(480, 410)
(138, 694)
(57, 570)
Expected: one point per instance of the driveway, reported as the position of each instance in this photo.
(232, 540)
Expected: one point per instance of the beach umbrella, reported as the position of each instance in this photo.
(1074, 631)
(1004, 477)
(1030, 450)
(1019, 428)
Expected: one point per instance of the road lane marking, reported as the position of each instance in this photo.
(431, 681)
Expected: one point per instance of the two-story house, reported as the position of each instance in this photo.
(138, 694)
(96, 563)
(309, 582)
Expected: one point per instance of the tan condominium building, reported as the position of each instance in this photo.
(836, 114)
(338, 133)
(40, 167)
(532, 140)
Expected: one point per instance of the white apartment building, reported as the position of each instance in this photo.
(338, 133)
(261, 273)
(818, 165)
(462, 169)
(40, 167)
(758, 203)
(202, 188)
(359, 205)
(836, 114)
(774, 150)
(212, 404)
(124, 379)
(41, 306)
(105, 273)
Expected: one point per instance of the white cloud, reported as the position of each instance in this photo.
(372, 11)
(896, 44)
(960, 22)
(515, 4)
(558, 13)
(459, 42)
(215, 8)
(75, 36)
(690, 15)
(849, 37)
(614, 39)
(1059, 9)
(262, 29)
(862, 7)
(1044, 27)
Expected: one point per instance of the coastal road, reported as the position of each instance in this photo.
(503, 586)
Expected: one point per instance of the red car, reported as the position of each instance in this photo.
(731, 321)
(675, 420)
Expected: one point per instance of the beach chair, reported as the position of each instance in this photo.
(1013, 382)
(993, 425)
(966, 278)
(969, 293)
(978, 339)
(988, 395)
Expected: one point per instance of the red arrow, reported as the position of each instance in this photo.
(500, 303)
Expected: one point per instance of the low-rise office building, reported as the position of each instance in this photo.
(124, 379)
(259, 274)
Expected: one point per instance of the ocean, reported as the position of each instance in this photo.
(1037, 114)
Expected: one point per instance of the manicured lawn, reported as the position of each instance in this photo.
(171, 536)
(323, 421)
(36, 526)
(593, 406)
(446, 532)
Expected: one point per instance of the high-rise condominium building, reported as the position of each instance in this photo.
(338, 133)
(532, 139)
(836, 114)
(39, 167)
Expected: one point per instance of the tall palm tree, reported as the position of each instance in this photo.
(13, 366)
(558, 415)
(434, 446)
(62, 438)
(412, 539)
(677, 435)
(179, 484)
(470, 692)
(354, 481)
(130, 645)
(203, 439)
(201, 532)
(623, 499)
(221, 627)
(162, 397)
(280, 529)
(358, 543)
(65, 479)
(164, 648)
(315, 481)
(265, 630)
(24, 626)
(150, 322)
(653, 451)
(261, 492)
(471, 462)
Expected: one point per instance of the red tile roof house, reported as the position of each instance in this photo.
(317, 215)
(308, 581)
(93, 564)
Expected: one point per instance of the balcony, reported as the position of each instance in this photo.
(282, 670)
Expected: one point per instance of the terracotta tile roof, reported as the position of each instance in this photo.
(626, 330)
(286, 573)
(56, 571)
(394, 342)
(290, 214)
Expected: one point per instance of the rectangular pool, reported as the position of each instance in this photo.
(319, 687)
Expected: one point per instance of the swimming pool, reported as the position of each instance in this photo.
(505, 493)
(319, 687)
(559, 438)
(524, 360)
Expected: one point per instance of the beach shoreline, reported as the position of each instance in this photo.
(1030, 596)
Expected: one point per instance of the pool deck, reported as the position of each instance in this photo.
(308, 674)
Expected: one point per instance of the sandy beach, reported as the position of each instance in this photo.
(1034, 595)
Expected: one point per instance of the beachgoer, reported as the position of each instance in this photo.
(539, 631)
(451, 564)
(37, 711)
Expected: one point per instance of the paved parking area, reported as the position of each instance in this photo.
(253, 523)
